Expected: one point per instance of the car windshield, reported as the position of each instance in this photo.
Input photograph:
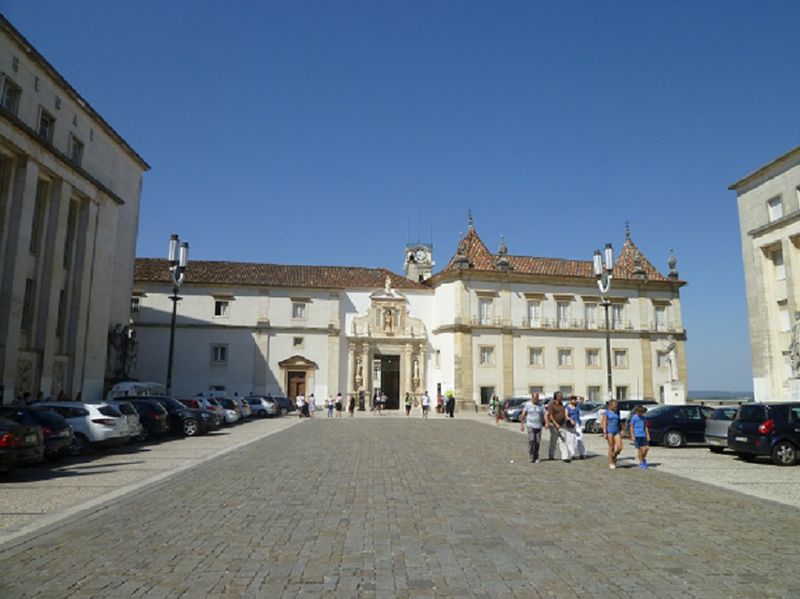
(126, 408)
(109, 411)
(49, 417)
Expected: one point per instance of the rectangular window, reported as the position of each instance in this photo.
(221, 307)
(534, 312)
(617, 314)
(661, 318)
(565, 357)
(60, 317)
(486, 395)
(438, 359)
(775, 209)
(37, 223)
(485, 310)
(297, 342)
(620, 358)
(46, 125)
(10, 96)
(662, 359)
(487, 355)
(590, 314)
(69, 238)
(593, 358)
(298, 310)
(75, 150)
(562, 314)
(536, 356)
(777, 262)
(622, 393)
(219, 353)
(27, 306)
(593, 393)
(536, 389)
(566, 390)
(135, 305)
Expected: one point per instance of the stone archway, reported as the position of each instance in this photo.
(297, 376)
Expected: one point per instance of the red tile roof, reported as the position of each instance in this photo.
(208, 272)
(482, 260)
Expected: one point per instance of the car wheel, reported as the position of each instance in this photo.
(595, 427)
(715, 449)
(784, 454)
(284, 411)
(189, 427)
(745, 457)
(78, 446)
(673, 439)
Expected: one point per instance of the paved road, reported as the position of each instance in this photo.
(391, 507)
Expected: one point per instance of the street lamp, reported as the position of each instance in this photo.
(178, 257)
(603, 267)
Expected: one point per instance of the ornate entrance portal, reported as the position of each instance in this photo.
(387, 349)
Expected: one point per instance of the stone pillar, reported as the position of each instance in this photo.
(422, 357)
(647, 368)
(406, 374)
(508, 363)
(350, 387)
(366, 365)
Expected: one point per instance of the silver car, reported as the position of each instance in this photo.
(263, 407)
(717, 428)
(131, 416)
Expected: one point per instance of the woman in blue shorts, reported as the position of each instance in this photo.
(612, 432)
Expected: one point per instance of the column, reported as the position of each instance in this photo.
(406, 374)
(351, 369)
(366, 365)
(422, 356)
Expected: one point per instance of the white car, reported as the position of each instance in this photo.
(95, 424)
(133, 425)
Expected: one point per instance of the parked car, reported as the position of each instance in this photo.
(766, 429)
(286, 405)
(512, 408)
(152, 416)
(95, 425)
(130, 416)
(20, 444)
(244, 407)
(57, 432)
(205, 403)
(233, 413)
(676, 425)
(592, 420)
(262, 406)
(717, 424)
(185, 421)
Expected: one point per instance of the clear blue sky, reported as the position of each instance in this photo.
(315, 132)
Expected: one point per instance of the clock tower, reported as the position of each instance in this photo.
(419, 263)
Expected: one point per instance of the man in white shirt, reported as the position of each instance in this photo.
(426, 404)
(299, 401)
(532, 418)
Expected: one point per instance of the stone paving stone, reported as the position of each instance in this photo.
(409, 508)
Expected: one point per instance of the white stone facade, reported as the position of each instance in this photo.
(769, 221)
(69, 209)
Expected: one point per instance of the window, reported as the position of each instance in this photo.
(535, 389)
(593, 358)
(486, 395)
(590, 314)
(10, 96)
(622, 393)
(534, 312)
(620, 358)
(298, 310)
(75, 150)
(565, 358)
(297, 342)
(661, 318)
(438, 359)
(485, 310)
(662, 359)
(72, 219)
(46, 125)
(593, 393)
(536, 356)
(219, 353)
(487, 355)
(38, 216)
(566, 390)
(134, 305)
(62, 307)
(774, 209)
(221, 308)
(617, 313)
(27, 306)
(562, 314)
(783, 316)
(777, 262)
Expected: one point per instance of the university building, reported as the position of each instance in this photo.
(487, 323)
(769, 222)
(69, 210)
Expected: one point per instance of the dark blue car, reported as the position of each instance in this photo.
(675, 426)
(766, 429)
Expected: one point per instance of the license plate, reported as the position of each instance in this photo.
(30, 438)
(740, 439)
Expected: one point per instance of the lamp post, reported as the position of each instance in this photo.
(178, 259)
(603, 267)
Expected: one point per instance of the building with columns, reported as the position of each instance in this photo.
(769, 223)
(69, 209)
(488, 323)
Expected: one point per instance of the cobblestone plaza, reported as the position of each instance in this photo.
(390, 507)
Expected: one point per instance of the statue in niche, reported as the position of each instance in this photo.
(359, 373)
(388, 319)
(415, 370)
(794, 347)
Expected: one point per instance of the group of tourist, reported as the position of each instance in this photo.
(563, 421)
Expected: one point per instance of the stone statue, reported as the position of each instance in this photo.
(359, 373)
(388, 321)
(387, 285)
(794, 347)
(416, 370)
(131, 353)
(672, 360)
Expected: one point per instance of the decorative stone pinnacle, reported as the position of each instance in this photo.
(627, 230)
(470, 220)
(502, 250)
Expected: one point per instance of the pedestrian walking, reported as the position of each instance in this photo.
(338, 404)
(312, 406)
(450, 405)
(439, 404)
(555, 419)
(640, 436)
(532, 419)
(408, 404)
(300, 403)
(329, 406)
(496, 409)
(612, 432)
(351, 406)
(573, 429)
(426, 404)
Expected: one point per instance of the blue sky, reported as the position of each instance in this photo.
(325, 132)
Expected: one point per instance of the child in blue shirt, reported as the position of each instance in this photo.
(640, 436)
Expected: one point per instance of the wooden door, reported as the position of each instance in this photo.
(297, 384)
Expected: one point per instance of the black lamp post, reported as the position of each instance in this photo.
(178, 259)
(603, 267)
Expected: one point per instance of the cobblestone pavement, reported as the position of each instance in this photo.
(389, 507)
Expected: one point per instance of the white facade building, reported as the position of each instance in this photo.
(486, 324)
(769, 222)
(69, 210)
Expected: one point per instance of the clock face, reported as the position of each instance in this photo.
(420, 255)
